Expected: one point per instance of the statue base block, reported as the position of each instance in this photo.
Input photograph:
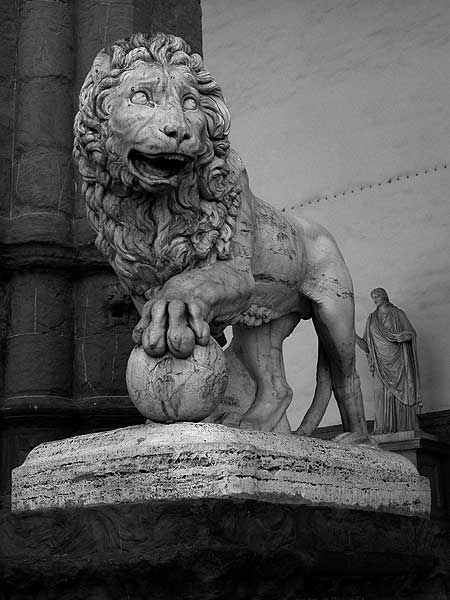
(190, 461)
(220, 550)
(431, 457)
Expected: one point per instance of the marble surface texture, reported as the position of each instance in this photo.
(169, 389)
(199, 460)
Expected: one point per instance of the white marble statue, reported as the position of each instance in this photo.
(174, 214)
(390, 344)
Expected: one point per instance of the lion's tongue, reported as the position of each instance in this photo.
(166, 167)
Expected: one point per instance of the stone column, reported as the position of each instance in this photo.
(64, 332)
(36, 233)
(65, 335)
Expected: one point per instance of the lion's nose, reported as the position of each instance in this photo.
(179, 131)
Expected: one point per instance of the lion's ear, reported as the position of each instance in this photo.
(101, 65)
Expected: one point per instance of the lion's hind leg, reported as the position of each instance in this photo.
(333, 318)
(260, 349)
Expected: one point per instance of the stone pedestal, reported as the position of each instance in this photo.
(198, 511)
(215, 549)
(431, 458)
(190, 461)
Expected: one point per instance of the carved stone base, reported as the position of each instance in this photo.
(220, 550)
(431, 456)
(189, 461)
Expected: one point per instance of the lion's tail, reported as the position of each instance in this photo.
(322, 395)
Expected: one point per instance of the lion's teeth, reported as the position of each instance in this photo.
(158, 165)
(175, 158)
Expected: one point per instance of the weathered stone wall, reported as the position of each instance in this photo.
(340, 111)
(65, 333)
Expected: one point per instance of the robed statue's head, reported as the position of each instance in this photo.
(379, 296)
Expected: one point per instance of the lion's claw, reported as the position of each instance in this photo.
(181, 341)
(154, 341)
(171, 324)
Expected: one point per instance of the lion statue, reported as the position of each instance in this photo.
(197, 251)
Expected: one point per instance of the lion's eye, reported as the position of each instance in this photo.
(141, 98)
(190, 103)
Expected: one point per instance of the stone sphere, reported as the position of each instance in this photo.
(170, 389)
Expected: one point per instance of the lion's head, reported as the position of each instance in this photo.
(151, 143)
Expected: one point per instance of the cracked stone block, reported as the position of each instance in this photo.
(147, 463)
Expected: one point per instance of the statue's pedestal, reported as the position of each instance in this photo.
(215, 549)
(431, 457)
(190, 461)
(202, 511)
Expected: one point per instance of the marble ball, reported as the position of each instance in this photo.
(170, 389)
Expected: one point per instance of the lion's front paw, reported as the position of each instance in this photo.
(174, 325)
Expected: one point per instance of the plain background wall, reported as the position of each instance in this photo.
(341, 113)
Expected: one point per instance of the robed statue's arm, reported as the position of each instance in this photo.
(361, 343)
(407, 333)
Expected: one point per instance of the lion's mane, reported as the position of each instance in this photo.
(149, 238)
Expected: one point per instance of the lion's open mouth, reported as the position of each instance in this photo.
(162, 165)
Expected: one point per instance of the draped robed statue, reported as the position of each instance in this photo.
(389, 341)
